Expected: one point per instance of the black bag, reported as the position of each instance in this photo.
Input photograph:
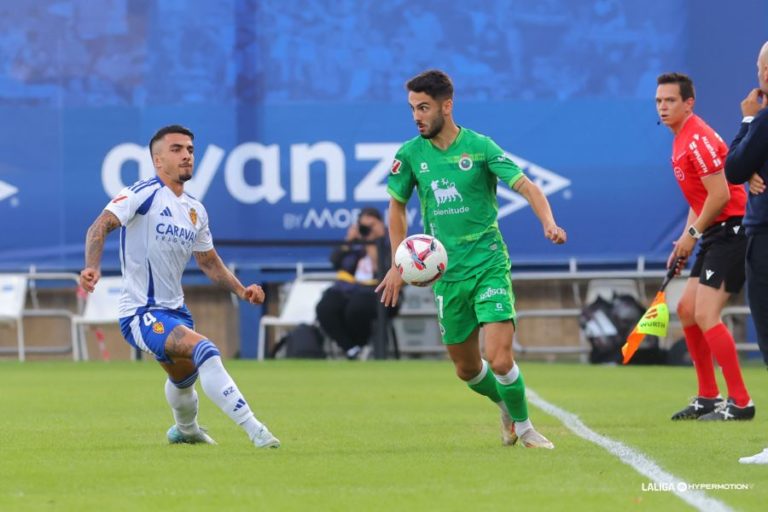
(627, 312)
(597, 324)
(678, 355)
(303, 342)
(606, 326)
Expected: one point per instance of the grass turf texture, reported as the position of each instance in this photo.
(360, 436)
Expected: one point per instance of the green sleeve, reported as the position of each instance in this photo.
(501, 165)
(401, 181)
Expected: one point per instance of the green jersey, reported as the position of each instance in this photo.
(457, 191)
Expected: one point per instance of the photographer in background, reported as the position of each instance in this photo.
(348, 308)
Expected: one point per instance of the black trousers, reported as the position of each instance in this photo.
(757, 287)
(347, 315)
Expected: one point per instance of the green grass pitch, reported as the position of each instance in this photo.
(399, 436)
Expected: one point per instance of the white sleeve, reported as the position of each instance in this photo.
(204, 241)
(128, 201)
(124, 205)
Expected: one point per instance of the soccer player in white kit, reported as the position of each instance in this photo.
(161, 226)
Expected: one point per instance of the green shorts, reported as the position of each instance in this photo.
(462, 306)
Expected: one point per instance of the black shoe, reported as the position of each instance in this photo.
(698, 407)
(729, 412)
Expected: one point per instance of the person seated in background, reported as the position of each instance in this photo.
(348, 308)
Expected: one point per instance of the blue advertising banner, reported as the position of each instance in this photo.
(298, 108)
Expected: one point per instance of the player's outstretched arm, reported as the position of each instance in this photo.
(392, 282)
(210, 263)
(94, 248)
(540, 206)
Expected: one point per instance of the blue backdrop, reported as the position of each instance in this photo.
(299, 106)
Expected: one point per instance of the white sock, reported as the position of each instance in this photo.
(510, 377)
(522, 427)
(183, 402)
(222, 390)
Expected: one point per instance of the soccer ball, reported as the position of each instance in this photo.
(421, 260)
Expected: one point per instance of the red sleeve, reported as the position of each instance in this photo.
(705, 153)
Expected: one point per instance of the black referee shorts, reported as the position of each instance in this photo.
(721, 255)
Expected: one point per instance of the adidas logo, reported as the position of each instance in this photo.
(240, 404)
(736, 230)
(709, 273)
(166, 212)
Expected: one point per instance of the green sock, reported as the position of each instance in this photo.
(513, 396)
(485, 384)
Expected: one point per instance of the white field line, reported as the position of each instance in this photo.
(639, 462)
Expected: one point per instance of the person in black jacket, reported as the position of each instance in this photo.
(748, 162)
(348, 308)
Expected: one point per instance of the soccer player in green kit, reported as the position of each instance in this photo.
(455, 172)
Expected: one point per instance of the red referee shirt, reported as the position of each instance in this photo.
(697, 152)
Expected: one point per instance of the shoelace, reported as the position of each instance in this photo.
(719, 402)
(722, 406)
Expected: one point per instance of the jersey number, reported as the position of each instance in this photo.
(149, 319)
(439, 300)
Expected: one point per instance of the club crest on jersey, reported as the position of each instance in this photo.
(158, 328)
(396, 166)
(465, 162)
(193, 216)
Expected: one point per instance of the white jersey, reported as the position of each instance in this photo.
(158, 235)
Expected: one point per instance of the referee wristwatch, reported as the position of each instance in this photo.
(695, 233)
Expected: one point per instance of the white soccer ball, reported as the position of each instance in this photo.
(421, 260)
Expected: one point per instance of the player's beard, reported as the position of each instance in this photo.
(437, 127)
(185, 175)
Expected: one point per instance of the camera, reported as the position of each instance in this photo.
(364, 230)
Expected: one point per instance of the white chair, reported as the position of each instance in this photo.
(415, 325)
(298, 308)
(101, 307)
(606, 288)
(13, 294)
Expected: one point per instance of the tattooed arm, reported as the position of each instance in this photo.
(94, 248)
(210, 263)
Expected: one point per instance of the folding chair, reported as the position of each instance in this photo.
(298, 308)
(101, 307)
(13, 294)
(416, 328)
